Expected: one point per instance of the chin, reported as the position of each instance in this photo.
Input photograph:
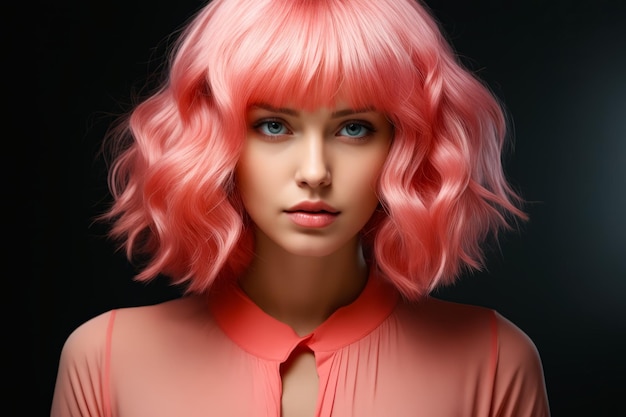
(314, 246)
(311, 252)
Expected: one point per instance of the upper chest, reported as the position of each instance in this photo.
(394, 370)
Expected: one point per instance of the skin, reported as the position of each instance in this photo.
(301, 275)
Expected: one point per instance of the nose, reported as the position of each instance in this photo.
(313, 166)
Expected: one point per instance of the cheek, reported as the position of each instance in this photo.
(364, 176)
(245, 180)
(256, 181)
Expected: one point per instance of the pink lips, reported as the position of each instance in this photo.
(312, 214)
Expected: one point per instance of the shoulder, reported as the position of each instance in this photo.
(186, 309)
(511, 347)
(447, 320)
(81, 372)
(483, 337)
(463, 319)
(483, 333)
(88, 340)
(474, 346)
(93, 337)
(85, 368)
(130, 332)
(519, 383)
(515, 347)
(152, 327)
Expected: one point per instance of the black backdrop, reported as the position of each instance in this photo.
(560, 67)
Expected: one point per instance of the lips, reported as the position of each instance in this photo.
(312, 214)
(313, 207)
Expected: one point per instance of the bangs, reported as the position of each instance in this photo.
(310, 54)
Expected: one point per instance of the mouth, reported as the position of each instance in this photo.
(313, 207)
(312, 214)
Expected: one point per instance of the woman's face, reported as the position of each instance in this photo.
(307, 179)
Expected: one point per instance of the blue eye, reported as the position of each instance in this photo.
(355, 130)
(272, 128)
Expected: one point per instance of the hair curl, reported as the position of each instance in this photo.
(442, 188)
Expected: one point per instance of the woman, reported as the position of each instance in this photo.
(310, 171)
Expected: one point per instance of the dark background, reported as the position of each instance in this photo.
(560, 67)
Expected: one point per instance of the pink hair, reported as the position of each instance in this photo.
(442, 189)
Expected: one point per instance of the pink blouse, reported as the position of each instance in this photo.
(379, 356)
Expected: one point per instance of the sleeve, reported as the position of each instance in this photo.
(519, 385)
(81, 387)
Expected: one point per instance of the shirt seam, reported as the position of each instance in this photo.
(106, 391)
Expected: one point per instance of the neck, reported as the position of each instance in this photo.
(303, 291)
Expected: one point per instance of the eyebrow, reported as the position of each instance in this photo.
(292, 112)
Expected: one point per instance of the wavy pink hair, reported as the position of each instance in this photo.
(442, 189)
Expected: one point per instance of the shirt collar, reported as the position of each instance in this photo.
(264, 336)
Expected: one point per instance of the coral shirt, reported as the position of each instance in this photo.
(379, 356)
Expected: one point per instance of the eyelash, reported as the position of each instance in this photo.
(369, 129)
(258, 126)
